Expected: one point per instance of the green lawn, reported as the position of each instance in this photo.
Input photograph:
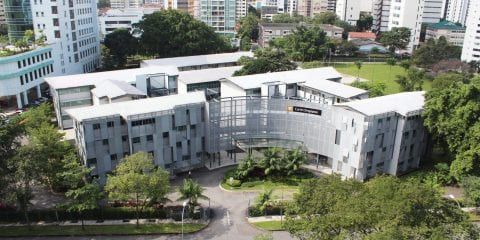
(165, 228)
(380, 72)
(270, 225)
(280, 190)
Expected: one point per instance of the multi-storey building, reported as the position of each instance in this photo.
(121, 18)
(18, 16)
(409, 14)
(22, 77)
(122, 4)
(220, 15)
(270, 31)
(433, 11)
(471, 44)
(73, 28)
(349, 10)
(185, 131)
(381, 14)
(454, 33)
(457, 11)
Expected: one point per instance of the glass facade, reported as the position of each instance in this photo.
(18, 15)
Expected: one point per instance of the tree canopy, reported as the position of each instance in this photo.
(434, 51)
(305, 44)
(172, 33)
(265, 60)
(248, 30)
(451, 115)
(396, 39)
(383, 208)
(121, 44)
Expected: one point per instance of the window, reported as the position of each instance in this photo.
(181, 128)
(96, 126)
(110, 124)
(337, 137)
(91, 161)
(113, 157)
(179, 144)
(186, 157)
(54, 10)
(105, 141)
(136, 140)
(165, 135)
(149, 138)
(57, 34)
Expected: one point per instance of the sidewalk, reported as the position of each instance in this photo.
(266, 218)
(105, 223)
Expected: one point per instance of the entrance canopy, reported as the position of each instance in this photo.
(262, 142)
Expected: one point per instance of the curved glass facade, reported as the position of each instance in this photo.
(18, 15)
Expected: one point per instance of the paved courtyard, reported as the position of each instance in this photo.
(229, 221)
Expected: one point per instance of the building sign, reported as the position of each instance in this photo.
(304, 110)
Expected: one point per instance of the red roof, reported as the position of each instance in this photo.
(363, 35)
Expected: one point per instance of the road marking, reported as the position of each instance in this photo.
(228, 218)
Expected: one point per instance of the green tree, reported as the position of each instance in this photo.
(137, 178)
(396, 38)
(471, 189)
(121, 44)
(365, 22)
(383, 208)
(37, 116)
(249, 27)
(391, 62)
(375, 89)
(306, 44)
(347, 48)
(405, 64)
(294, 160)
(325, 18)
(84, 198)
(359, 65)
(287, 18)
(271, 161)
(265, 60)
(171, 33)
(191, 191)
(264, 199)
(447, 79)
(435, 51)
(29, 37)
(451, 115)
(245, 167)
(413, 81)
(108, 62)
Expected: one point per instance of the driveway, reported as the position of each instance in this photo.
(229, 221)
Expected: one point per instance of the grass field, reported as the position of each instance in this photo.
(270, 225)
(380, 72)
(165, 228)
(280, 190)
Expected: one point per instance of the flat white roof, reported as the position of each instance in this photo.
(197, 60)
(114, 88)
(401, 103)
(206, 75)
(317, 78)
(136, 107)
(88, 79)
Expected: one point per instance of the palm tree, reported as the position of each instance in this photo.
(191, 191)
(245, 167)
(271, 160)
(264, 199)
(294, 160)
(391, 62)
(359, 65)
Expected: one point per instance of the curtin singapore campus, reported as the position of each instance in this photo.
(189, 112)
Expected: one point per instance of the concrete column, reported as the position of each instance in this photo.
(19, 100)
(39, 91)
(25, 97)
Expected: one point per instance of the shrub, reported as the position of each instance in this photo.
(233, 183)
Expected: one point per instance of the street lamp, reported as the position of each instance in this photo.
(183, 210)
(453, 198)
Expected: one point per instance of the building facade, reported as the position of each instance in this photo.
(220, 15)
(270, 31)
(73, 28)
(471, 44)
(454, 33)
(457, 11)
(409, 14)
(381, 15)
(2, 12)
(122, 4)
(121, 18)
(18, 16)
(22, 77)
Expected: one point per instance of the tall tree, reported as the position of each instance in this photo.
(365, 22)
(121, 44)
(287, 18)
(413, 81)
(249, 27)
(383, 208)
(451, 115)
(435, 51)
(391, 62)
(171, 33)
(191, 191)
(294, 160)
(375, 89)
(325, 18)
(396, 39)
(265, 60)
(306, 44)
(271, 161)
(137, 178)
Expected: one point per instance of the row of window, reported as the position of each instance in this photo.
(36, 74)
(84, 21)
(34, 59)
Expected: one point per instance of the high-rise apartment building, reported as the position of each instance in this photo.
(457, 11)
(2, 12)
(349, 10)
(433, 11)
(221, 15)
(18, 16)
(73, 27)
(381, 14)
(471, 43)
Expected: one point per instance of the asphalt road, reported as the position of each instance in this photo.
(229, 221)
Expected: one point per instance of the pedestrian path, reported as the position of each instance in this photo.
(105, 222)
(266, 218)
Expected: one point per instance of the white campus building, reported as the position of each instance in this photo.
(22, 77)
(471, 43)
(72, 26)
(113, 114)
(114, 19)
